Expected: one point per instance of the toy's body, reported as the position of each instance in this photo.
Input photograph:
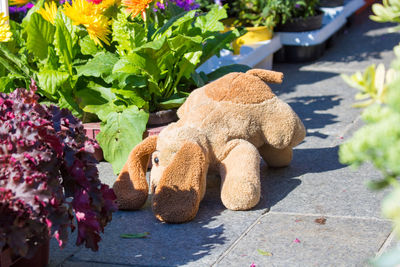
(224, 127)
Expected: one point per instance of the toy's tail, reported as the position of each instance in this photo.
(267, 76)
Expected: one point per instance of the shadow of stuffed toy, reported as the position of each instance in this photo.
(224, 127)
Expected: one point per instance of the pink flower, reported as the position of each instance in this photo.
(296, 240)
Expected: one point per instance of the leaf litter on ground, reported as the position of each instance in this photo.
(264, 253)
(132, 236)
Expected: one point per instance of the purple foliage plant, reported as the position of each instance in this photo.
(48, 177)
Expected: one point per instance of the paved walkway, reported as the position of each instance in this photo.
(316, 212)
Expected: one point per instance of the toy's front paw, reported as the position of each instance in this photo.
(175, 206)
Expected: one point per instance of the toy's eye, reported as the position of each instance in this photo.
(156, 160)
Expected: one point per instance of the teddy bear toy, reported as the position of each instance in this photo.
(223, 127)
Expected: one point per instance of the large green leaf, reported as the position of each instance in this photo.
(51, 80)
(132, 96)
(172, 103)
(214, 45)
(94, 94)
(120, 133)
(174, 23)
(218, 73)
(102, 111)
(68, 101)
(40, 34)
(210, 21)
(64, 42)
(99, 66)
(189, 63)
(128, 35)
(132, 64)
(98, 100)
(138, 64)
(52, 58)
(88, 46)
(188, 42)
(39, 4)
(6, 84)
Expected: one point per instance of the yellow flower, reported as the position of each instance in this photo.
(49, 12)
(135, 7)
(85, 13)
(5, 33)
(99, 30)
(105, 4)
(19, 2)
(81, 11)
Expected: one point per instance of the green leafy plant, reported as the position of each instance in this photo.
(247, 13)
(288, 10)
(378, 141)
(119, 75)
(265, 12)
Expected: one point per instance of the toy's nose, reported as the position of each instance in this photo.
(153, 189)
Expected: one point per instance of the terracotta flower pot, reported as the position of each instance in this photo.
(91, 130)
(40, 259)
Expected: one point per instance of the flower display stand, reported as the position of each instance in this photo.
(258, 55)
(310, 45)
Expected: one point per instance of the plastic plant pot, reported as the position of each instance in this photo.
(253, 35)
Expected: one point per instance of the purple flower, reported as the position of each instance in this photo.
(63, 1)
(218, 2)
(186, 4)
(297, 5)
(160, 5)
(22, 9)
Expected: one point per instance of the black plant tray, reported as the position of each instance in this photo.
(295, 54)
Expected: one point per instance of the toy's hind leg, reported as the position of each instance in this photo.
(276, 157)
(240, 177)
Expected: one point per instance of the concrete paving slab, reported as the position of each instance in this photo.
(58, 255)
(197, 243)
(324, 187)
(299, 240)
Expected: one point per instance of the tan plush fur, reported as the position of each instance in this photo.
(131, 187)
(224, 127)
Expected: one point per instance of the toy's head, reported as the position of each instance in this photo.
(178, 175)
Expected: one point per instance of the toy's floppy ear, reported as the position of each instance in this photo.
(182, 185)
(131, 187)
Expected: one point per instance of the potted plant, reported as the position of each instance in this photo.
(256, 16)
(298, 15)
(48, 178)
(331, 3)
(113, 61)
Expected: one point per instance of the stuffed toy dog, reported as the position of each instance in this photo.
(223, 127)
